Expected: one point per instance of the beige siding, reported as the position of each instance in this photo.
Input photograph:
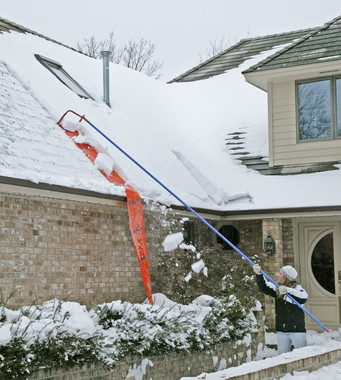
(285, 148)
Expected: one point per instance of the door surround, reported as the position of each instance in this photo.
(321, 303)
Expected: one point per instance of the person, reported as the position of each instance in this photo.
(290, 322)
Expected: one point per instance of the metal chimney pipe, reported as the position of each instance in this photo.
(106, 98)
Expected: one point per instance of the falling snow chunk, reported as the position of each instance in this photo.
(198, 266)
(172, 241)
(187, 246)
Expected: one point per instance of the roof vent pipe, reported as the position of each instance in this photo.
(105, 55)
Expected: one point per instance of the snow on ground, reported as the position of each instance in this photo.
(331, 372)
(267, 357)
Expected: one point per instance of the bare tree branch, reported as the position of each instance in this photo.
(137, 55)
(218, 46)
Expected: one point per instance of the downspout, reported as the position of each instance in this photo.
(106, 98)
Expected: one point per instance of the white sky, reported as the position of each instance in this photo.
(181, 29)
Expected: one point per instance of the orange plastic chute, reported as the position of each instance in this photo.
(136, 220)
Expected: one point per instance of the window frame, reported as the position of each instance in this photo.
(47, 62)
(333, 106)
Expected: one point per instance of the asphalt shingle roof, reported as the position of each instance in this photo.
(323, 43)
(30, 138)
(238, 53)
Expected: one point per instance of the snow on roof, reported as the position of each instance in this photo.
(176, 131)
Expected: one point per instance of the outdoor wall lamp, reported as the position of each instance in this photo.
(269, 245)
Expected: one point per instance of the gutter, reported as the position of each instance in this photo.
(16, 183)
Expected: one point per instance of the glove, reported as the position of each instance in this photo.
(283, 290)
(257, 269)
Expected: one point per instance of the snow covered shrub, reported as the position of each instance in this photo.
(17, 359)
(62, 334)
(50, 335)
(228, 320)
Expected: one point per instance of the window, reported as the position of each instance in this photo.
(322, 263)
(188, 232)
(57, 69)
(319, 109)
(231, 234)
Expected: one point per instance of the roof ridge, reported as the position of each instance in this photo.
(279, 34)
(27, 30)
(300, 40)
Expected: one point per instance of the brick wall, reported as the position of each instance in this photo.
(176, 366)
(66, 249)
(81, 251)
(77, 251)
(288, 242)
(281, 231)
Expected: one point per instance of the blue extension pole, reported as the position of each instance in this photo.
(203, 220)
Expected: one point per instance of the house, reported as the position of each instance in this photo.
(301, 80)
(65, 225)
(66, 220)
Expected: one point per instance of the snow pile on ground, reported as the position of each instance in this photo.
(331, 372)
(318, 343)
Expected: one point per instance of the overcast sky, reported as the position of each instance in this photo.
(181, 29)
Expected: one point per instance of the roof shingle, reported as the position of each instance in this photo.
(320, 44)
(238, 53)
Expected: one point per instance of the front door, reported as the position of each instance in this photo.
(319, 262)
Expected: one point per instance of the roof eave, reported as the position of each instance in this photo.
(262, 78)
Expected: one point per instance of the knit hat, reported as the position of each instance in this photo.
(289, 272)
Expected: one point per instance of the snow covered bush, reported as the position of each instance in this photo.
(61, 334)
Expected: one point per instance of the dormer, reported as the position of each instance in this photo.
(303, 83)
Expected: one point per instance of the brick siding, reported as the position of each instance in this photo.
(66, 249)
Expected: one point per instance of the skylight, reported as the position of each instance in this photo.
(57, 69)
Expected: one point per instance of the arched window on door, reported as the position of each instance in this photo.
(322, 263)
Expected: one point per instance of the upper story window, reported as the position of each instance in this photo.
(319, 109)
(57, 69)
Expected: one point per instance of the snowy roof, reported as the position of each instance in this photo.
(238, 53)
(176, 131)
(321, 44)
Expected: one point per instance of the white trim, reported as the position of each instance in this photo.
(40, 193)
